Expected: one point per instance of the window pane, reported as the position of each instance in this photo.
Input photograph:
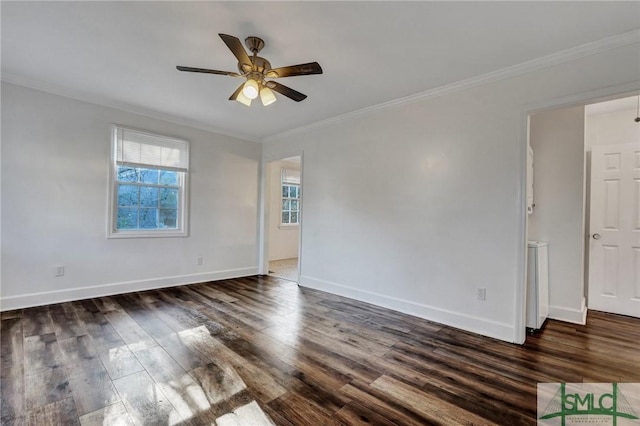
(148, 218)
(169, 198)
(148, 196)
(149, 175)
(168, 178)
(285, 205)
(294, 205)
(285, 191)
(147, 200)
(127, 174)
(285, 217)
(128, 195)
(293, 192)
(127, 218)
(168, 218)
(294, 218)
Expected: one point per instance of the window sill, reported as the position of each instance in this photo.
(289, 226)
(147, 234)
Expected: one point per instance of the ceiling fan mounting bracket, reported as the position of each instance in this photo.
(255, 44)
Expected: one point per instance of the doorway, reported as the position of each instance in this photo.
(283, 208)
(612, 144)
(562, 141)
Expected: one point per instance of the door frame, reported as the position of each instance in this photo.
(265, 206)
(599, 95)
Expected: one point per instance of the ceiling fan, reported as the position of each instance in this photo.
(256, 70)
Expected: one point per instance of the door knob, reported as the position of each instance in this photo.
(596, 236)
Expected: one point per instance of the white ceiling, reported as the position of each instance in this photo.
(124, 54)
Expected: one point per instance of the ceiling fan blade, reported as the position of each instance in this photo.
(293, 70)
(234, 44)
(207, 71)
(287, 91)
(235, 94)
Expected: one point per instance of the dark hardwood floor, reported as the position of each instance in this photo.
(260, 350)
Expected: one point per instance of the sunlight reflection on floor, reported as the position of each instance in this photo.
(213, 393)
(250, 414)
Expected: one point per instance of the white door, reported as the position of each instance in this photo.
(614, 229)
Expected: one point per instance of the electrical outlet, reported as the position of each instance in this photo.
(199, 261)
(482, 294)
(60, 271)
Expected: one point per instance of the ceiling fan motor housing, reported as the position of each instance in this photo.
(259, 64)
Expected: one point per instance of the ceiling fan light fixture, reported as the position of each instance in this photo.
(243, 99)
(250, 89)
(266, 96)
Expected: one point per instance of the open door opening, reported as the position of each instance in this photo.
(283, 208)
(584, 206)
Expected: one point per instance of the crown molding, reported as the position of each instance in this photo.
(568, 55)
(77, 95)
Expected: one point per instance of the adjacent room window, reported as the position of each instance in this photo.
(290, 197)
(148, 185)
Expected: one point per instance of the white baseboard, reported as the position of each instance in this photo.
(67, 295)
(575, 316)
(459, 320)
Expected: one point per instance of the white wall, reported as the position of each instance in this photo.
(415, 206)
(283, 241)
(55, 157)
(557, 139)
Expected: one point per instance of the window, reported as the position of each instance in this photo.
(290, 197)
(148, 185)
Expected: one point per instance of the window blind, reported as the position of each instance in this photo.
(290, 176)
(138, 149)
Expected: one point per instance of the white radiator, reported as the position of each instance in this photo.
(537, 284)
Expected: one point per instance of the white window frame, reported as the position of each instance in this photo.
(290, 179)
(182, 220)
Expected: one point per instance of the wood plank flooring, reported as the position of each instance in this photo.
(261, 350)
